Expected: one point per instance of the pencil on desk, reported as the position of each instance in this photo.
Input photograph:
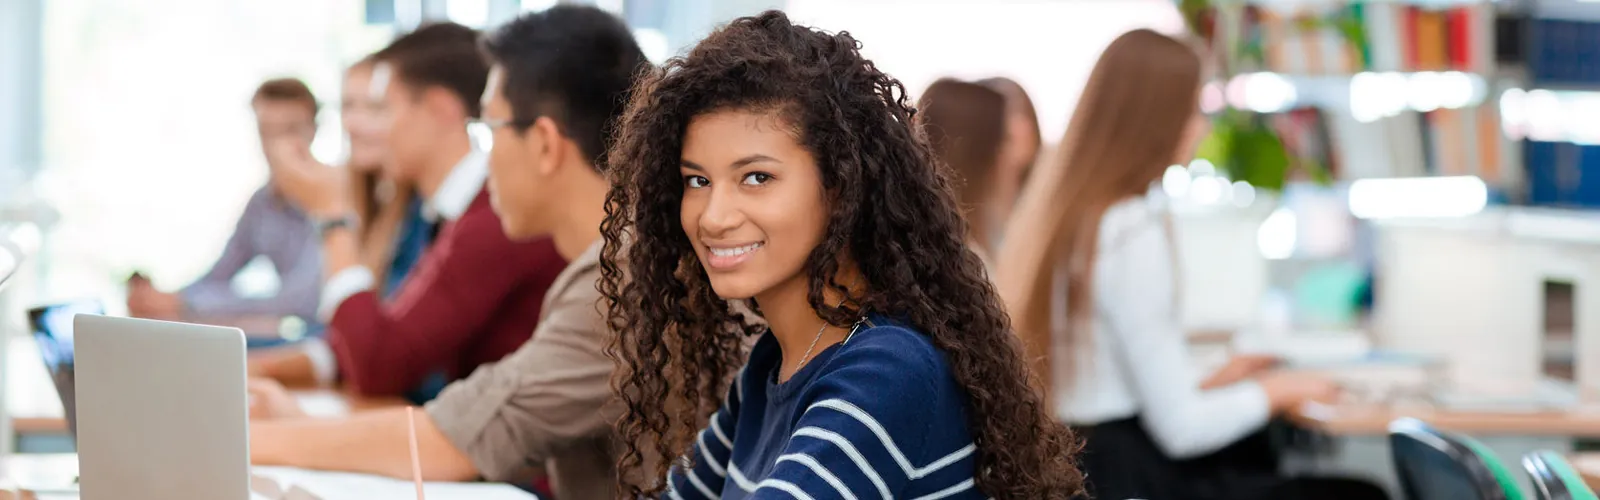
(416, 461)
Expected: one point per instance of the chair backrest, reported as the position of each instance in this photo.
(1433, 465)
(1502, 473)
(1554, 478)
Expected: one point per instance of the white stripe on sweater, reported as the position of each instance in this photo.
(959, 487)
(717, 428)
(787, 487)
(672, 490)
(708, 458)
(738, 478)
(820, 471)
(695, 480)
(850, 451)
(877, 429)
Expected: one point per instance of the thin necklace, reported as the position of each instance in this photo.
(813, 346)
(814, 339)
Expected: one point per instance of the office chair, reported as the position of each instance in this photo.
(1554, 478)
(1433, 465)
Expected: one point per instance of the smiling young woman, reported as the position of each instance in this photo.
(775, 168)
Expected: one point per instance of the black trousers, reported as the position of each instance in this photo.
(1121, 462)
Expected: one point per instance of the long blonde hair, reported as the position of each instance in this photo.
(380, 205)
(1126, 130)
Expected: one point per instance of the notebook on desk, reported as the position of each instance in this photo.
(287, 483)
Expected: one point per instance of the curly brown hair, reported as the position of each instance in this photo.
(893, 215)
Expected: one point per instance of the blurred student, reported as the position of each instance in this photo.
(965, 125)
(272, 226)
(1089, 273)
(393, 231)
(560, 80)
(1019, 151)
(775, 164)
(474, 296)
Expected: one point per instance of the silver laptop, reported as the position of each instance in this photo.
(162, 410)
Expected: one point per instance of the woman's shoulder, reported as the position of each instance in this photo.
(1128, 220)
(890, 352)
(878, 332)
(893, 373)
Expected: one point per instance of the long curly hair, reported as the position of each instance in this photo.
(893, 215)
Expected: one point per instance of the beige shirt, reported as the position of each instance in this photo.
(541, 406)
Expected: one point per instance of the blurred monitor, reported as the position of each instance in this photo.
(52, 330)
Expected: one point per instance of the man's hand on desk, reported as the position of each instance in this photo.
(371, 442)
(144, 301)
(269, 400)
(289, 366)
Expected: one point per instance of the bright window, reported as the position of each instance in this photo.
(150, 146)
(1048, 47)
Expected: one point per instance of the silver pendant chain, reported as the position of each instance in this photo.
(853, 328)
(813, 346)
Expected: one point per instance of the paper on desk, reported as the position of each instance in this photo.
(347, 486)
(322, 404)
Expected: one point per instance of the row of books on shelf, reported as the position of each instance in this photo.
(1563, 52)
(1323, 38)
(1562, 174)
(1465, 141)
(1448, 142)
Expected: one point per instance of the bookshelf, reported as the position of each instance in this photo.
(1505, 90)
(1375, 89)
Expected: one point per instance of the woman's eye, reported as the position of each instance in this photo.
(695, 182)
(756, 178)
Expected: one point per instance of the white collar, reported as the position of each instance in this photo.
(459, 188)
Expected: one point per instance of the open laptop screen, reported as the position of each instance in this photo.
(52, 330)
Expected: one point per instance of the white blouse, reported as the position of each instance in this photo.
(1136, 362)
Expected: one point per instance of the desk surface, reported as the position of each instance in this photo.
(1373, 419)
(30, 471)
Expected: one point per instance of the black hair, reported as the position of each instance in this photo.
(572, 63)
(440, 55)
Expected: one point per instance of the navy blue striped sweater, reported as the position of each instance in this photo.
(878, 416)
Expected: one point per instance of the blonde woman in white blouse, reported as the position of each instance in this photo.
(1087, 269)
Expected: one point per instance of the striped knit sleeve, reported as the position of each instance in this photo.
(711, 452)
(879, 424)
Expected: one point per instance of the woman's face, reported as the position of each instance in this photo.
(753, 202)
(1020, 146)
(363, 125)
(1018, 149)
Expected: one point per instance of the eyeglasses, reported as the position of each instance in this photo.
(494, 124)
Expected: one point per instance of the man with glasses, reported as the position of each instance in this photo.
(561, 79)
(474, 295)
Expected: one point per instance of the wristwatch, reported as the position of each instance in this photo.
(328, 225)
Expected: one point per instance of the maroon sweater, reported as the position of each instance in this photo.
(473, 297)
